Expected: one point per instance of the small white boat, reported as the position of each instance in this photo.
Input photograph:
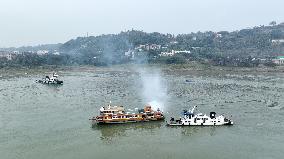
(191, 119)
(53, 79)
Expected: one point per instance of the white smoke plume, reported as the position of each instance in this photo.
(154, 89)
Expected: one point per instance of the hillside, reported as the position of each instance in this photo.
(259, 42)
(246, 47)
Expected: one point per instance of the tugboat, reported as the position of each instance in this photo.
(191, 119)
(50, 80)
(117, 115)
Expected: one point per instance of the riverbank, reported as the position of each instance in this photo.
(192, 68)
(215, 70)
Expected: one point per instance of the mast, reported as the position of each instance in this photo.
(192, 110)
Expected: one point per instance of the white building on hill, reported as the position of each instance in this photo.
(173, 52)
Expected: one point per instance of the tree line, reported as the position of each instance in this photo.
(237, 48)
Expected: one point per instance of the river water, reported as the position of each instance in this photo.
(51, 122)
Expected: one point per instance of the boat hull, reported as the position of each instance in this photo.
(104, 122)
(114, 123)
(200, 124)
(48, 82)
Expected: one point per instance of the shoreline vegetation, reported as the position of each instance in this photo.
(250, 47)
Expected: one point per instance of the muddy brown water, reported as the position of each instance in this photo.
(50, 122)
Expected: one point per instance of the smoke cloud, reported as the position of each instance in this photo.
(154, 91)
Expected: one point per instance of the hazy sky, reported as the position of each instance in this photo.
(32, 22)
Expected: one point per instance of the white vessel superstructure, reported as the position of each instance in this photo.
(53, 79)
(190, 118)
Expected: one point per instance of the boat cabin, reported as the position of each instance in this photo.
(111, 110)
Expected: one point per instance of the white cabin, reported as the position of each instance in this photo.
(192, 119)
